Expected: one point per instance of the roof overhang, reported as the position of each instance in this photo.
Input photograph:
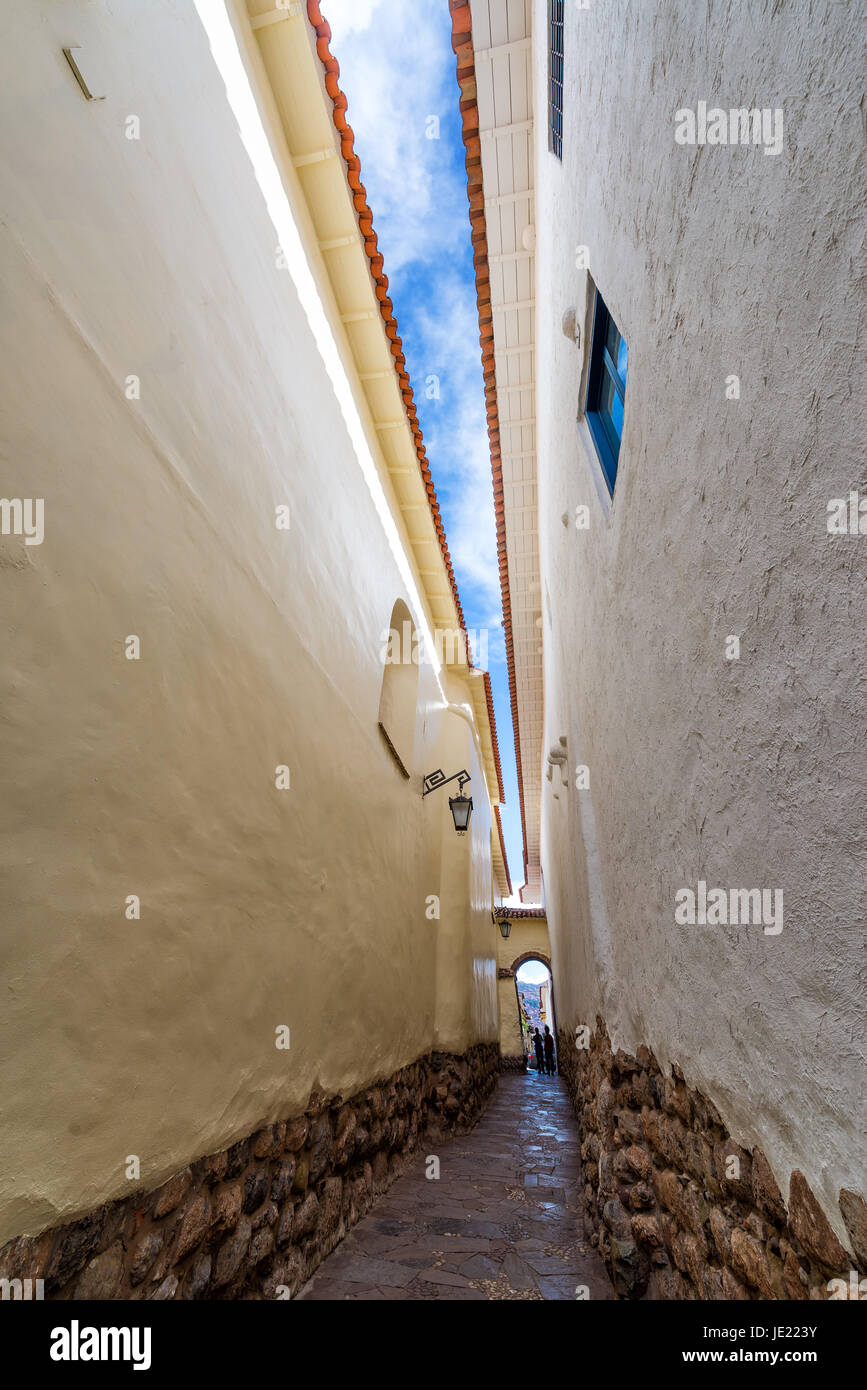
(492, 42)
(295, 77)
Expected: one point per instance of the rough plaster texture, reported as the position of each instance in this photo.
(258, 647)
(749, 773)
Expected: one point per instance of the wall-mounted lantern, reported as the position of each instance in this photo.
(460, 806)
(505, 928)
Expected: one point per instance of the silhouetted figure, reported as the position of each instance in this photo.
(548, 1045)
(539, 1044)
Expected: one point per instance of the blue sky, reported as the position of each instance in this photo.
(397, 70)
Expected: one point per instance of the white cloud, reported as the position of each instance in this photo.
(395, 72)
(349, 16)
(457, 437)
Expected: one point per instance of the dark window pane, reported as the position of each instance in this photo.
(616, 411)
(607, 394)
(616, 346)
(606, 390)
(555, 70)
(612, 338)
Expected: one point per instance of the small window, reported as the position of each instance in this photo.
(606, 389)
(555, 77)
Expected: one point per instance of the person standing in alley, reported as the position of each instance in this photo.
(539, 1044)
(548, 1045)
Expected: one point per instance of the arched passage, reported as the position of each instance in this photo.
(524, 937)
(530, 955)
(534, 1001)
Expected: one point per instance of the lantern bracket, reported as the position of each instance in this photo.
(433, 780)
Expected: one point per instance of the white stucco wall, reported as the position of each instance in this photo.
(259, 647)
(747, 773)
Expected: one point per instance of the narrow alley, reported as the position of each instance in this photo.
(433, 523)
(502, 1221)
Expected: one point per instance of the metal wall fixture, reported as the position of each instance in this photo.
(460, 806)
(79, 76)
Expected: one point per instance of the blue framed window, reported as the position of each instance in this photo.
(606, 389)
(555, 76)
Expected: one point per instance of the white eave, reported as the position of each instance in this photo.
(502, 35)
(288, 76)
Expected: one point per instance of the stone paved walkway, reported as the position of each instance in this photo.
(503, 1220)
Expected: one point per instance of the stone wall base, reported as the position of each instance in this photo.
(513, 1064)
(255, 1220)
(676, 1209)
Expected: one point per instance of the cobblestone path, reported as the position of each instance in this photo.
(503, 1221)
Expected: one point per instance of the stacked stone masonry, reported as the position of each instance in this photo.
(513, 1064)
(255, 1220)
(676, 1208)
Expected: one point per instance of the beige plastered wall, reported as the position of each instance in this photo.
(260, 907)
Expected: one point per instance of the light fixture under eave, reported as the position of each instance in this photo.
(505, 928)
(460, 806)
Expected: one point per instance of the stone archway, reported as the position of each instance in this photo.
(532, 955)
(513, 971)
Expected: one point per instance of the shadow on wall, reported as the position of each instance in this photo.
(398, 700)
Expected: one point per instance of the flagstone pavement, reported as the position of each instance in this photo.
(502, 1221)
